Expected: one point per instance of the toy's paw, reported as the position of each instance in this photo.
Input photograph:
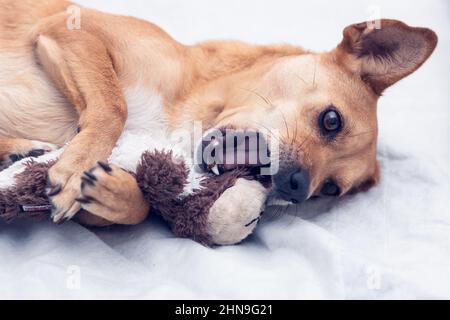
(112, 194)
(235, 215)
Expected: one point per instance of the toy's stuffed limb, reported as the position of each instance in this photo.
(12, 150)
(112, 196)
(224, 211)
(236, 213)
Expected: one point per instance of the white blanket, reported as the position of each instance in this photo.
(392, 242)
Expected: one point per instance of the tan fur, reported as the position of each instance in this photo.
(77, 78)
(21, 148)
(114, 196)
(14, 146)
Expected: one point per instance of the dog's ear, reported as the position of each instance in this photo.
(385, 51)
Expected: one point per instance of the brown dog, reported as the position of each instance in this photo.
(82, 85)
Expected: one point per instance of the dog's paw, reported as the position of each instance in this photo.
(112, 194)
(26, 149)
(39, 148)
(63, 188)
(235, 215)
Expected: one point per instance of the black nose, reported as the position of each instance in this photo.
(293, 186)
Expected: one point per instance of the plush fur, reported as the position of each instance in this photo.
(28, 190)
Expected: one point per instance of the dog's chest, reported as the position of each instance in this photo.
(145, 111)
(147, 129)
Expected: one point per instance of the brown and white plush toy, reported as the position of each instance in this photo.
(211, 209)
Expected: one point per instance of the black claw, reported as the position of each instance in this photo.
(105, 166)
(54, 190)
(36, 153)
(83, 200)
(87, 180)
(90, 176)
(15, 157)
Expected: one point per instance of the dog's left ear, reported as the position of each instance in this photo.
(385, 51)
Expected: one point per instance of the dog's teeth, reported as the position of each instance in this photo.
(215, 143)
(215, 170)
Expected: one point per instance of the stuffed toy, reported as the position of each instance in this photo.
(208, 208)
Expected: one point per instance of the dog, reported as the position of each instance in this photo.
(82, 86)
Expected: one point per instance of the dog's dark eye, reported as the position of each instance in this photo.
(330, 122)
(330, 189)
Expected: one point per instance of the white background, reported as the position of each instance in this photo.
(393, 242)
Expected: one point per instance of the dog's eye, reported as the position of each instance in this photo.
(330, 189)
(330, 121)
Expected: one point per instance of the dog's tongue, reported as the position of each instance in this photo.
(239, 150)
(243, 155)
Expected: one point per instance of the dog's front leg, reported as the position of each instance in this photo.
(81, 68)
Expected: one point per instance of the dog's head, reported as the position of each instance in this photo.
(323, 107)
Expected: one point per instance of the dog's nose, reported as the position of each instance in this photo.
(294, 186)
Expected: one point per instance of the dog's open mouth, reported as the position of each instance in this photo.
(225, 150)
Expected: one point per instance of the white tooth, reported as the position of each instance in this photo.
(215, 170)
(215, 143)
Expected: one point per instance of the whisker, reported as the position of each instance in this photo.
(293, 217)
(285, 123)
(305, 140)
(269, 103)
(315, 69)
(360, 134)
(265, 99)
(297, 76)
(296, 131)
(279, 139)
(275, 214)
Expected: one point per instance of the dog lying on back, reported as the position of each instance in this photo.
(84, 86)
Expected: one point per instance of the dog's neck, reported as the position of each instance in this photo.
(211, 68)
(216, 59)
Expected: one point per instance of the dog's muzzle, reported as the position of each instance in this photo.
(292, 184)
